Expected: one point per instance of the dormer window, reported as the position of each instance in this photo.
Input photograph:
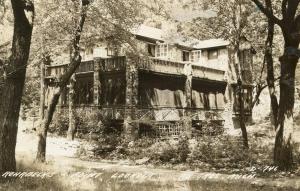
(213, 54)
(185, 56)
(196, 56)
(162, 50)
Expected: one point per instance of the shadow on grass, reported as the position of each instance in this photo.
(30, 183)
(105, 182)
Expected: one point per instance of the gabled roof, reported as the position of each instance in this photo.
(149, 32)
(192, 43)
(204, 44)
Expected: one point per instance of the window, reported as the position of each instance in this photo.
(89, 51)
(185, 56)
(162, 50)
(110, 52)
(151, 49)
(100, 52)
(213, 54)
(196, 56)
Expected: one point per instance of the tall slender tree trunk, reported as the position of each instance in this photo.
(240, 94)
(283, 151)
(75, 62)
(42, 92)
(242, 114)
(13, 83)
(270, 67)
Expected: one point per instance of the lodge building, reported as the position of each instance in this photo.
(178, 87)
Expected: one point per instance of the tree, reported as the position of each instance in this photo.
(75, 61)
(106, 20)
(290, 27)
(230, 22)
(14, 71)
(270, 66)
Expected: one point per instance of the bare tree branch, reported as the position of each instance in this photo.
(284, 8)
(259, 89)
(269, 14)
(291, 10)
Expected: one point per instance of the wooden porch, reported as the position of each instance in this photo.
(113, 87)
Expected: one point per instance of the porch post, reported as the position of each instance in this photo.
(97, 83)
(187, 119)
(72, 122)
(131, 99)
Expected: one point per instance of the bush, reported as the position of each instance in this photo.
(140, 148)
(110, 142)
(170, 151)
(227, 152)
(183, 148)
(60, 123)
(107, 146)
(87, 122)
(164, 151)
(208, 128)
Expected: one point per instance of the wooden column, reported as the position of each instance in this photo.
(42, 93)
(97, 83)
(72, 121)
(187, 119)
(131, 100)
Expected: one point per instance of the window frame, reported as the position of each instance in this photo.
(162, 54)
(197, 58)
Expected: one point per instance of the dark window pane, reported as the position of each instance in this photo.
(185, 56)
(151, 50)
(213, 54)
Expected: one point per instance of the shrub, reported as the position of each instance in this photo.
(140, 148)
(208, 128)
(87, 122)
(228, 152)
(60, 123)
(106, 144)
(183, 148)
(164, 151)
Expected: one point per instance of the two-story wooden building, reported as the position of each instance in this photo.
(181, 83)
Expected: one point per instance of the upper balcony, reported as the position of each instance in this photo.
(178, 68)
(150, 65)
(55, 71)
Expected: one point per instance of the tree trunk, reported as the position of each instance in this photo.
(270, 67)
(283, 151)
(13, 84)
(75, 62)
(242, 114)
(42, 133)
(240, 94)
